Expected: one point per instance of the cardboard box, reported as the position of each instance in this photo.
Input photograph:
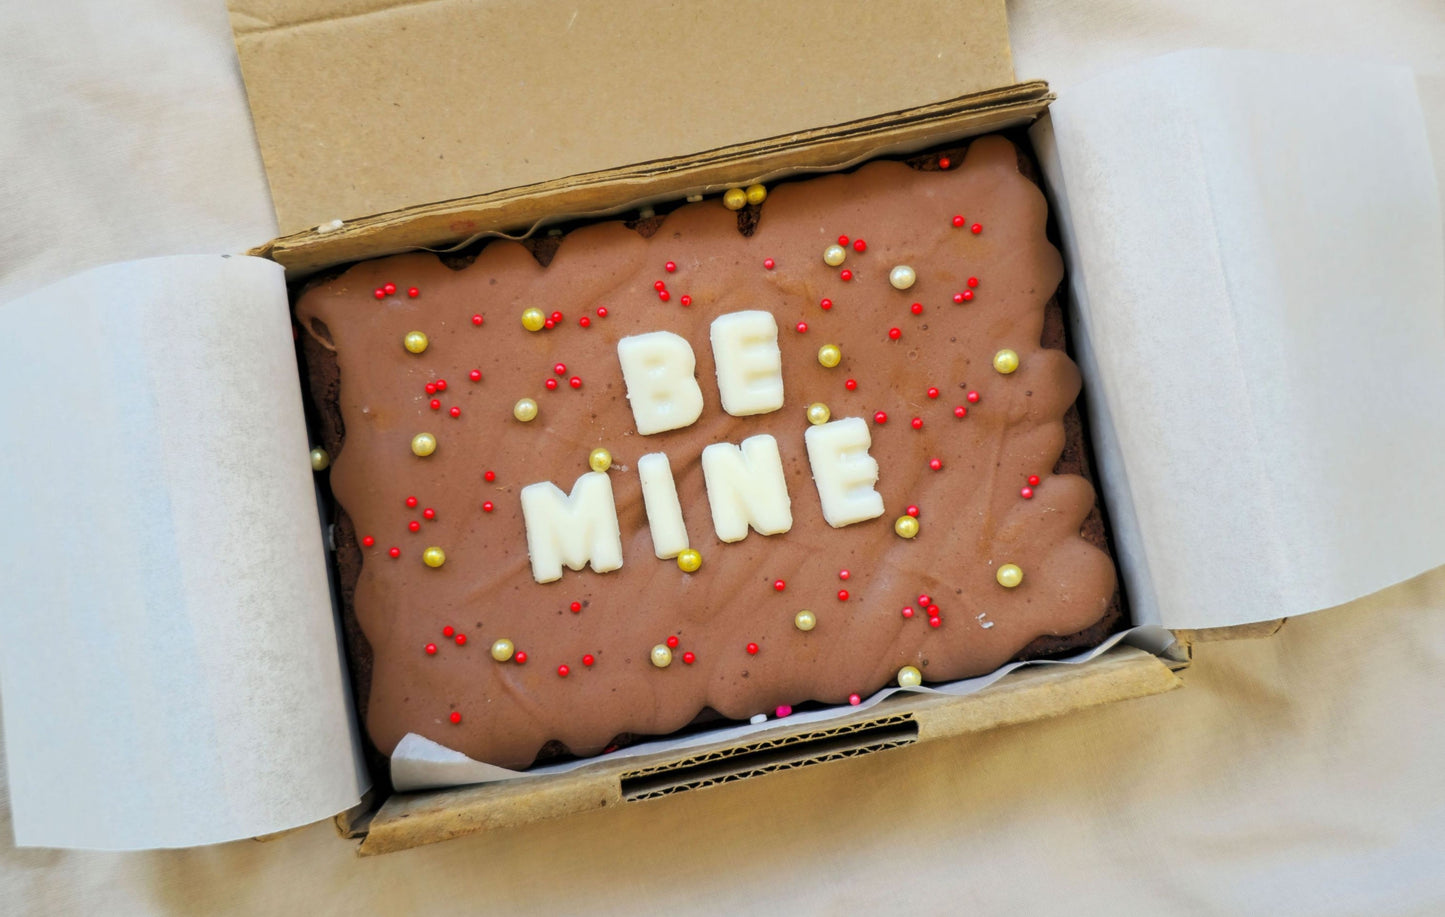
(387, 128)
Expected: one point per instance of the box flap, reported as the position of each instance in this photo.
(368, 106)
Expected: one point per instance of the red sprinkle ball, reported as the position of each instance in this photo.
(413, 292)
(935, 464)
(576, 607)
(958, 297)
(768, 263)
(917, 423)
(672, 642)
(431, 388)
(557, 317)
(932, 392)
(825, 304)
(455, 411)
(907, 611)
(801, 327)
(779, 585)
(560, 369)
(587, 659)
(487, 507)
(912, 511)
(843, 574)
(932, 610)
(575, 381)
(958, 222)
(659, 286)
(960, 411)
(880, 417)
(842, 240)
(520, 658)
(585, 322)
(1027, 493)
(550, 384)
(916, 308)
(752, 649)
(842, 595)
(367, 541)
(414, 526)
(549, 324)
(972, 397)
(441, 385)
(436, 404)
(973, 281)
(489, 476)
(686, 300)
(601, 311)
(428, 513)
(688, 658)
(475, 375)
(944, 162)
(411, 502)
(859, 245)
(456, 717)
(935, 621)
(477, 319)
(379, 293)
(395, 552)
(854, 699)
(431, 649)
(976, 228)
(461, 639)
(1033, 480)
(670, 267)
(846, 274)
(851, 384)
(563, 671)
(895, 333)
(924, 600)
(448, 631)
(388, 288)
(967, 295)
(664, 296)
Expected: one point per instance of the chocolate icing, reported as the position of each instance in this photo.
(973, 518)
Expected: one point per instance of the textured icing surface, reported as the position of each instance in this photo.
(972, 517)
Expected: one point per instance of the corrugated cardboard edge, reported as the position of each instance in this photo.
(519, 211)
(1029, 694)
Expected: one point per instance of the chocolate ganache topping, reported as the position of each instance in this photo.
(970, 550)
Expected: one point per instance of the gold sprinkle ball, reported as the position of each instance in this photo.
(415, 341)
(599, 459)
(689, 561)
(830, 355)
(1009, 576)
(909, 677)
(434, 556)
(735, 199)
(818, 413)
(905, 526)
(320, 459)
(661, 656)
(534, 319)
(805, 620)
(525, 410)
(756, 194)
(834, 255)
(423, 444)
(1005, 361)
(502, 650)
(902, 277)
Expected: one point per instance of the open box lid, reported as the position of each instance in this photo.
(366, 107)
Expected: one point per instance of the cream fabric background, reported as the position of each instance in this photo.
(1295, 775)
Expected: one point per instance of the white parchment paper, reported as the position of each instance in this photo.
(169, 662)
(1258, 289)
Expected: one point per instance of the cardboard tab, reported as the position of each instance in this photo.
(364, 107)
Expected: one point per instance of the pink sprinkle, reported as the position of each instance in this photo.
(784, 710)
(854, 699)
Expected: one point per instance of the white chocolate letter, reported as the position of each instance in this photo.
(664, 512)
(574, 530)
(658, 369)
(844, 471)
(749, 363)
(746, 486)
